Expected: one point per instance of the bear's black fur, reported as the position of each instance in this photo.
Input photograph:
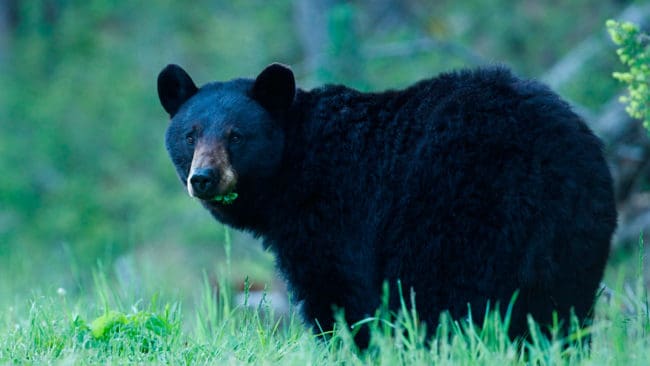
(466, 187)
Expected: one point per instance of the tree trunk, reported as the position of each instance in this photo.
(6, 11)
(310, 19)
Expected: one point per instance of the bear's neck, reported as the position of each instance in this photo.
(326, 136)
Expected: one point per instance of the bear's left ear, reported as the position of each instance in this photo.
(275, 88)
(175, 87)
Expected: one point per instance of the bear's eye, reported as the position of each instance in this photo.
(235, 137)
(190, 139)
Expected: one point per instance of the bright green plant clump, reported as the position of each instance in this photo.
(111, 321)
(634, 52)
(144, 329)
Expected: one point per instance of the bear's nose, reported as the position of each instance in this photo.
(205, 183)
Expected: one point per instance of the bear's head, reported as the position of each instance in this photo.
(225, 136)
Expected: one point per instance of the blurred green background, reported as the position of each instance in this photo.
(84, 176)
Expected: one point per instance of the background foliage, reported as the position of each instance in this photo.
(634, 52)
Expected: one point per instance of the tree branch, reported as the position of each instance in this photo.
(564, 69)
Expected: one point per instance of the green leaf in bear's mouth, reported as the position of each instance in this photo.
(226, 199)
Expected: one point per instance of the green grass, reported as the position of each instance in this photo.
(106, 323)
(104, 328)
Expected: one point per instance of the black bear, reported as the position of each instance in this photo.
(466, 187)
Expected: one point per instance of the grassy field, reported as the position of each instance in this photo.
(103, 324)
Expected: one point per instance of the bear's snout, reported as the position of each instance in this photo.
(210, 174)
(204, 183)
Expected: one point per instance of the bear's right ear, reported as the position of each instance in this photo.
(275, 87)
(175, 87)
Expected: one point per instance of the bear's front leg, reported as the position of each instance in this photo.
(352, 288)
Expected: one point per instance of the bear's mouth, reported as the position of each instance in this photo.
(220, 201)
(225, 199)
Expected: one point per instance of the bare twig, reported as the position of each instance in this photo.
(422, 45)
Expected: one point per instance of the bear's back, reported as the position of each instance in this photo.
(475, 133)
